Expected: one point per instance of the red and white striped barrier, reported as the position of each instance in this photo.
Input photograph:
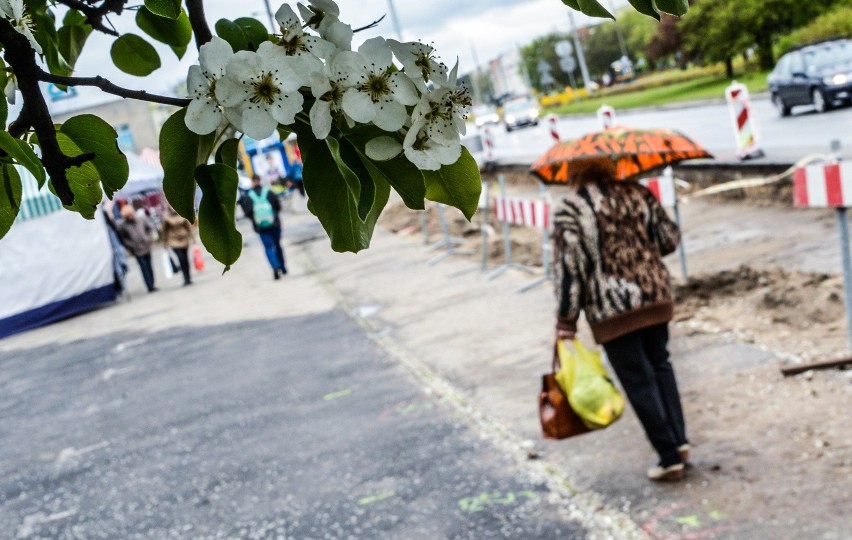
(742, 117)
(553, 126)
(663, 188)
(520, 211)
(606, 116)
(488, 142)
(823, 185)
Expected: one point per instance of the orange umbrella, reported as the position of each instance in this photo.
(633, 151)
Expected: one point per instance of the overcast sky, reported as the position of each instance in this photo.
(455, 27)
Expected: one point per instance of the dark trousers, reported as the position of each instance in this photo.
(271, 239)
(183, 260)
(641, 362)
(147, 271)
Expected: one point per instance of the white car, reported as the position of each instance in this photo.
(485, 114)
(520, 111)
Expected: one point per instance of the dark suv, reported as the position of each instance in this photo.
(818, 75)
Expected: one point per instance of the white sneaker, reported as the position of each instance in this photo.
(683, 450)
(672, 473)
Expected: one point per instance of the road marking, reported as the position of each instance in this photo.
(121, 347)
(375, 498)
(110, 372)
(30, 523)
(338, 394)
(495, 498)
(71, 453)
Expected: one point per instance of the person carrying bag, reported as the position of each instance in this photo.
(610, 238)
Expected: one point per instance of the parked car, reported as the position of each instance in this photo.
(520, 111)
(485, 114)
(818, 75)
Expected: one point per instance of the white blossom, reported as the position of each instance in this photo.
(11, 88)
(322, 16)
(459, 101)
(13, 11)
(426, 153)
(317, 10)
(419, 63)
(374, 93)
(204, 113)
(261, 90)
(328, 89)
(296, 42)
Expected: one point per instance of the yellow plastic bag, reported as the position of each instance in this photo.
(590, 390)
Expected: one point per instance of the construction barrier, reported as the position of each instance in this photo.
(743, 120)
(829, 185)
(553, 126)
(665, 190)
(606, 116)
(507, 208)
(447, 243)
(488, 142)
(520, 211)
(823, 185)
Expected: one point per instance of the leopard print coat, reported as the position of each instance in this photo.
(609, 239)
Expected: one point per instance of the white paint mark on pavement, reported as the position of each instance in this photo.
(121, 347)
(71, 455)
(110, 372)
(31, 522)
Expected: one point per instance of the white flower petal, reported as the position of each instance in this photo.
(444, 154)
(196, 83)
(6, 10)
(358, 105)
(257, 123)
(390, 116)
(337, 33)
(234, 115)
(285, 108)
(214, 55)
(411, 136)
(286, 17)
(203, 116)
(320, 84)
(326, 6)
(349, 67)
(403, 89)
(377, 53)
(421, 160)
(11, 89)
(383, 148)
(321, 118)
(244, 66)
(230, 93)
(319, 47)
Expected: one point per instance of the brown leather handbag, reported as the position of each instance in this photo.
(558, 419)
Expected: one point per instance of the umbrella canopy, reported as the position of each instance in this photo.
(633, 151)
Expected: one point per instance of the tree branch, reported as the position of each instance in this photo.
(111, 88)
(371, 25)
(95, 14)
(195, 11)
(21, 58)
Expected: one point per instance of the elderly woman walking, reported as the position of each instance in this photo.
(609, 243)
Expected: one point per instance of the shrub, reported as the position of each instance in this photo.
(835, 23)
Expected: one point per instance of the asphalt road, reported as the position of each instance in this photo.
(784, 140)
(243, 430)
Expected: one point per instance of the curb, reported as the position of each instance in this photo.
(669, 106)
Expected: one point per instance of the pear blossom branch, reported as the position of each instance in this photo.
(95, 14)
(195, 11)
(21, 57)
(110, 88)
(371, 25)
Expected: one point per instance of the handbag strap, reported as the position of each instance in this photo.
(556, 364)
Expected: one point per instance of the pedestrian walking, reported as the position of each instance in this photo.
(177, 234)
(136, 234)
(609, 241)
(262, 208)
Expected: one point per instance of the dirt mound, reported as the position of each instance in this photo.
(798, 313)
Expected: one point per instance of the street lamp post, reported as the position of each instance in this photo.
(271, 17)
(394, 19)
(579, 46)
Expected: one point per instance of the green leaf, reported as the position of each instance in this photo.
(346, 172)
(84, 181)
(228, 152)
(48, 38)
(181, 151)
(232, 33)
(283, 133)
(674, 7)
(593, 8)
(330, 198)
(403, 176)
(4, 107)
(174, 32)
(91, 134)
(216, 224)
(254, 31)
(457, 185)
(72, 36)
(10, 197)
(23, 154)
(132, 54)
(164, 8)
(646, 7)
